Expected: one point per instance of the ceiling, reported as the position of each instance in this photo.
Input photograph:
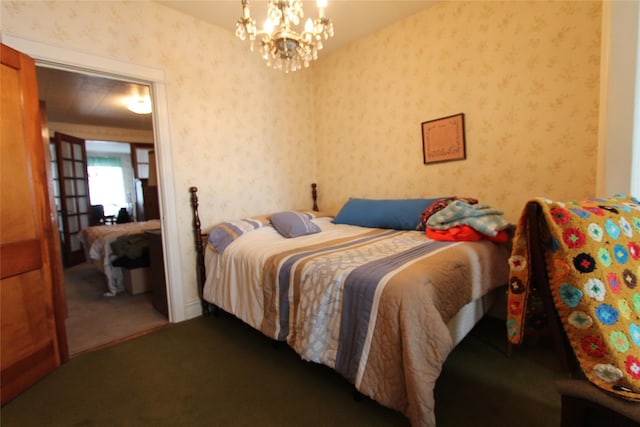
(98, 101)
(352, 19)
(90, 100)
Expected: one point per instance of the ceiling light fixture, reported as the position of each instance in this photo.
(281, 46)
(139, 104)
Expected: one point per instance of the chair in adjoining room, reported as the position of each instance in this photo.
(582, 261)
(123, 216)
(96, 215)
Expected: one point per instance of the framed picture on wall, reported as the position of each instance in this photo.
(443, 139)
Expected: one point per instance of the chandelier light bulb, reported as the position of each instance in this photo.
(268, 26)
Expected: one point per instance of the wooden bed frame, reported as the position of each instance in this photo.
(200, 238)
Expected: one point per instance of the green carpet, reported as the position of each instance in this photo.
(217, 371)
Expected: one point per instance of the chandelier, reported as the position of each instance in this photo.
(281, 46)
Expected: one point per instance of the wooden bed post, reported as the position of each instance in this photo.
(197, 235)
(314, 196)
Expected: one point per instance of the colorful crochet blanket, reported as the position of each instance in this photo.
(592, 259)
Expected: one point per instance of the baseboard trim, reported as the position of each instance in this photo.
(193, 309)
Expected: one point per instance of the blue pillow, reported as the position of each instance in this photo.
(398, 214)
(293, 224)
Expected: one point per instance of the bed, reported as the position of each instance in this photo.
(382, 307)
(96, 242)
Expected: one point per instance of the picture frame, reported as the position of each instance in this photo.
(443, 139)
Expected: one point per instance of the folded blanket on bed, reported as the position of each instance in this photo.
(592, 260)
(482, 218)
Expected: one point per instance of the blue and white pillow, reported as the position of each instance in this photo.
(293, 224)
(223, 234)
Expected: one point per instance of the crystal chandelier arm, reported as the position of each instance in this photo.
(322, 5)
(246, 13)
(323, 27)
(245, 24)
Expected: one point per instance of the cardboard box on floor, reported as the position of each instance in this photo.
(136, 280)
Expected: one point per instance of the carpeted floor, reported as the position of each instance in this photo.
(217, 371)
(95, 320)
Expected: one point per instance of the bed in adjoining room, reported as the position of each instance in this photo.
(97, 244)
(365, 292)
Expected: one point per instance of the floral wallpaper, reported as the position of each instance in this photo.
(236, 133)
(525, 74)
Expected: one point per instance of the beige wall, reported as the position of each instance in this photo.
(235, 131)
(525, 74)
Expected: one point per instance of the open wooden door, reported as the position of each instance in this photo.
(30, 329)
(74, 194)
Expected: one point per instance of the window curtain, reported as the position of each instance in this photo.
(122, 161)
(104, 161)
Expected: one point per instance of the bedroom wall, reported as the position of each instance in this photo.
(236, 132)
(525, 74)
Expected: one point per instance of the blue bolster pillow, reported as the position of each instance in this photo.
(398, 214)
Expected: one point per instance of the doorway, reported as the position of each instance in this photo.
(92, 107)
(66, 58)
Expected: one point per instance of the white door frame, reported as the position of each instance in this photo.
(68, 59)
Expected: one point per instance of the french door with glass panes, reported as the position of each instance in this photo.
(73, 200)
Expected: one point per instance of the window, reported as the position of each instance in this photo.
(140, 158)
(106, 184)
